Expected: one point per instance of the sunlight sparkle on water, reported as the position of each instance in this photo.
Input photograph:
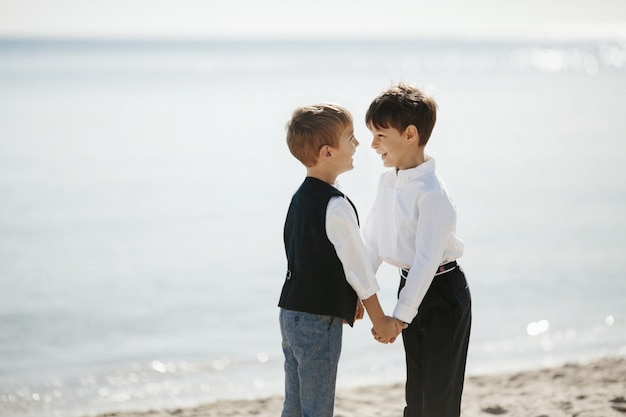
(537, 327)
(221, 363)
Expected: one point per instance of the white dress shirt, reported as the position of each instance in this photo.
(412, 225)
(343, 232)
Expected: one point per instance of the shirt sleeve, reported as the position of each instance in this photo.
(343, 232)
(435, 223)
(371, 241)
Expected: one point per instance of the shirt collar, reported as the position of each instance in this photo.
(426, 167)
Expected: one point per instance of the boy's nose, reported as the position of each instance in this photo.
(374, 144)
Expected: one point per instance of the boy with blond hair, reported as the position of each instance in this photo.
(327, 267)
(412, 225)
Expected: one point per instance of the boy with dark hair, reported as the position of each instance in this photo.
(412, 225)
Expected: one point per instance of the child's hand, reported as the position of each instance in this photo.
(360, 311)
(388, 330)
(381, 339)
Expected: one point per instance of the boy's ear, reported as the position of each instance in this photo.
(325, 152)
(412, 135)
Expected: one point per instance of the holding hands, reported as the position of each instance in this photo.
(388, 329)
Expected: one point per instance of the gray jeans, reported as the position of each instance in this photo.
(312, 346)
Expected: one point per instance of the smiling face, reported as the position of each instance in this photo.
(343, 154)
(393, 147)
(336, 159)
(401, 120)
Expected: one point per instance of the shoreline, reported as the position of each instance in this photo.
(582, 389)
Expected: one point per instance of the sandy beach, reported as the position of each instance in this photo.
(593, 389)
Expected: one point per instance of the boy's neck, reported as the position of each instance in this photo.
(322, 175)
(413, 160)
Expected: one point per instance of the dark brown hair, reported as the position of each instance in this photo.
(401, 106)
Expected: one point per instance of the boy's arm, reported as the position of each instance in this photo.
(343, 232)
(385, 328)
(370, 239)
(435, 223)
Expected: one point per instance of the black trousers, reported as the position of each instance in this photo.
(435, 345)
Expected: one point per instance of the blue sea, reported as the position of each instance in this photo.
(143, 189)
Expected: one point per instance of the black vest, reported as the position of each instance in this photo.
(315, 281)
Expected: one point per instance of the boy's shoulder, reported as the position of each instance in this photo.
(318, 190)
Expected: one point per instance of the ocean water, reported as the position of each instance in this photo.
(143, 188)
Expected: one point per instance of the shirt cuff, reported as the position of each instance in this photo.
(365, 295)
(363, 291)
(404, 312)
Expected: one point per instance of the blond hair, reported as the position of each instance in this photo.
(312, 127)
